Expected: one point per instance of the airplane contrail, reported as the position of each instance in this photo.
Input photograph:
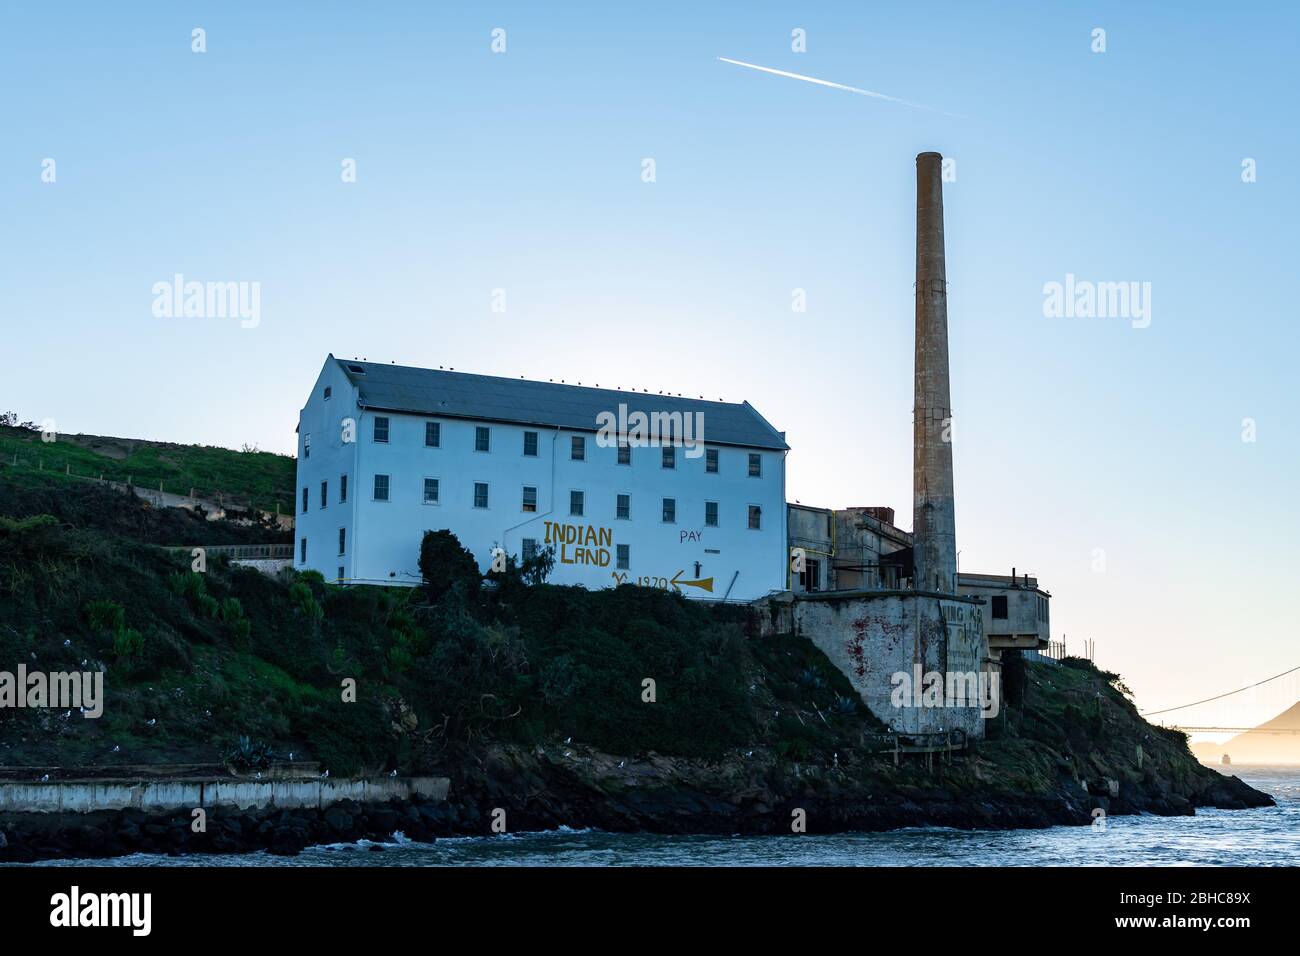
(836, 86)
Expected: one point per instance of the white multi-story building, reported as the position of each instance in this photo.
(387, 452)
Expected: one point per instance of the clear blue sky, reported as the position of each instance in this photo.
(522, 171)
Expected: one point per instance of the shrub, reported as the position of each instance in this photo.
(446, 567)
(303, 599)
(527, 573)
(231, 610)
(313, 579)
(845, 706)
(128, 643)
(31, 531)
(107, 617)
(241, 630)
(207, 605)
(248, 756)
(187, 584)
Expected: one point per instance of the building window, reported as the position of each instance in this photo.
(324, 493)
(343, 540)
(381, 487)
(624, 453)
(577, 448)
(302, 551)
(711, 514)
(381, 429)
(530, 499)
(328, 392)
(755, 465)
(530, 548)
(669, 456)
(1000, 607)
(304, 500)
(343, 488)
(482, 438)
(755, 518)
(530, 444)
(623, 507)
(480, 494)
(811, 575)
(670, 510)
(306, 446)
(431, 489)
(575, 503)
(711, 461)
(340, 577)
(433, 434)
(624, 552)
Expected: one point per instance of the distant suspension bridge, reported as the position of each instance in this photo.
(1287, 696)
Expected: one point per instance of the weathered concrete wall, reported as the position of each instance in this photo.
(1028, 608)
(83, 796)
(873, 635)
(811, 530)
(861, 539)
(268, 566)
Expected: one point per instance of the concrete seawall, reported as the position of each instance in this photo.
(86, 796)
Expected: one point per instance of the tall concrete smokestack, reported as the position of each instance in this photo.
(933, 519)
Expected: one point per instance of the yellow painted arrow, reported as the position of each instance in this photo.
(704, 584)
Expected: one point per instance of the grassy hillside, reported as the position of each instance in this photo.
(246, 479)
(90, 505)
(1076, 722)
(194, 661)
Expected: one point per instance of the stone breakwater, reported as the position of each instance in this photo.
(33, 837)
(179, 793)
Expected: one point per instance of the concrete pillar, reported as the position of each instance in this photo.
(933, 518)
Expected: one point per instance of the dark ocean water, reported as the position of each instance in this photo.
(1266, 837)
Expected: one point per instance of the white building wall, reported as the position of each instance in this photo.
(321, 423)
(383, 537)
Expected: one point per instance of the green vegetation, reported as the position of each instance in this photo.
(57, 499)
(246, 479)
(195, 662)
(1076, 721)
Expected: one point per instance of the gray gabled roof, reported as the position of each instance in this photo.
(426, 391)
